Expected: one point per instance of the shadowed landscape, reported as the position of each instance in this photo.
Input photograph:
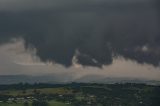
(79, 94)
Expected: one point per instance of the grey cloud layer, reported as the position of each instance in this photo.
(99, 30)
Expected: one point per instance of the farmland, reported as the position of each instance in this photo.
(79, 94)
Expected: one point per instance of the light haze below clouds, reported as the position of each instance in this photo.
(16, 60)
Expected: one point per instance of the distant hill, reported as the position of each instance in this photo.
(13, 79)
(110, 80)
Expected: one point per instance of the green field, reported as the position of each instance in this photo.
(60, 90)
(55, 103)
(51, 103)
(128, 94)
(12, 104)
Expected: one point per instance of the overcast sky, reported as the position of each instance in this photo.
(108, 38)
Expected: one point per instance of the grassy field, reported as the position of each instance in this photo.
(55, 103)
(51, 103)
(84, 95)
(55, 91)
(12, 104)
(60, 90)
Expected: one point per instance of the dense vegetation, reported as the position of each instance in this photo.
(79, 94)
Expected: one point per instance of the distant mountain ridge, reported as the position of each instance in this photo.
(14, 79)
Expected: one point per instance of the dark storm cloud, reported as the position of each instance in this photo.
(98, 30)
